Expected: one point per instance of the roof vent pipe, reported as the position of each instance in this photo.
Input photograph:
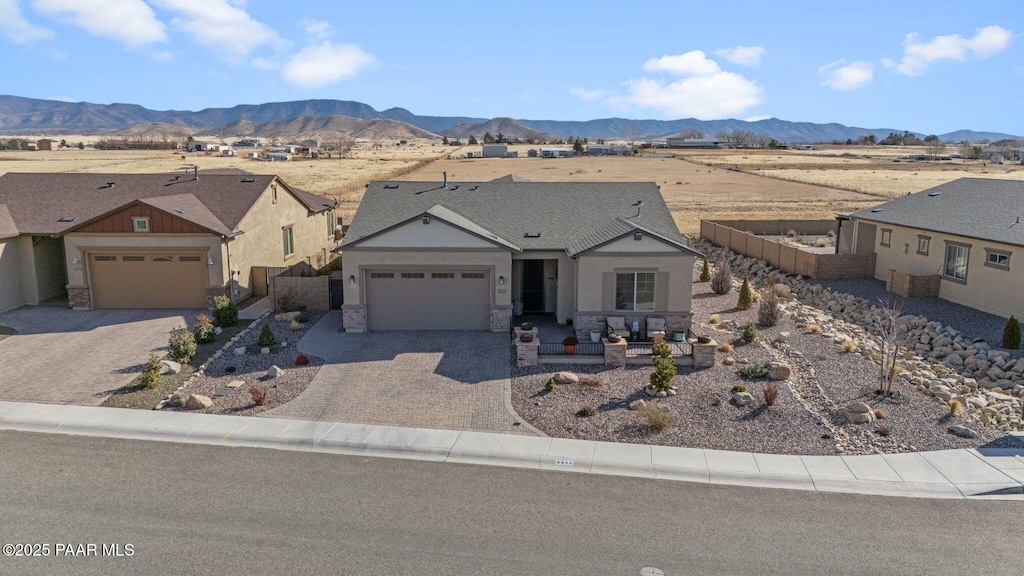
(445, 174)
(639, 204)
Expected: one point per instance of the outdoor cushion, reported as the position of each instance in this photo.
(617, 325)
(655, 327)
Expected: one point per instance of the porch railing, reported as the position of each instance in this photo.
(581, 349)
(647, 348)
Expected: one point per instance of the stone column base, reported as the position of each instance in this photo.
(79, 298)
(501, 318)
(614, 352)
(704, 354)
(354, 319)
(526, 352)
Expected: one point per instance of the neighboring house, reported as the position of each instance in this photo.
(556, 153)
(494, 150)
(21, 144)
(608, 150)
(963, 241)
(425, 255)
(151, 240)
(674, 142)
(47, 144)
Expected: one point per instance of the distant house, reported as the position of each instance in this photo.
(675, 142)
(962, 241)
(277, 157)
(228, 152)
(494, 150)
(248, 143)
(286, 149)
(311, 143)
(21, 144)
(47, 144)
(531, 153)
(607, 150)
(805, 147)
(556, 153)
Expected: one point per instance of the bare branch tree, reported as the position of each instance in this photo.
(884, 323)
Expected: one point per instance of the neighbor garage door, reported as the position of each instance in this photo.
(148, 280)
(428, 300)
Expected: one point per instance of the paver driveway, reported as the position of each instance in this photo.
(432, 379)
(68, 357)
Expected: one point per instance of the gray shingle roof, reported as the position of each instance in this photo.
(982, 208)
(461, 221)
(7, 227)
(562, 213)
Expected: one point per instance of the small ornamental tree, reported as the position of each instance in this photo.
(266, 338)
(721, 281)
(705, 273)
(1011, 334)
(664, 368)
(746, 299)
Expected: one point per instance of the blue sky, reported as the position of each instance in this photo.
(932, 66)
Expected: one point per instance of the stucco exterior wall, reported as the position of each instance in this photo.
(988, 289)
(262, 243)
(13, 267)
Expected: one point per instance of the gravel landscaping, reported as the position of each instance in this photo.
(6, 331)
(804, 419)
(251, 368)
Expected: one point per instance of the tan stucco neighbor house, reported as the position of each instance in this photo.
(463, 256)
(962, 241)
(151, 240)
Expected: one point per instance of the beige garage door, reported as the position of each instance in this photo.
(428, 300)
(148, 280)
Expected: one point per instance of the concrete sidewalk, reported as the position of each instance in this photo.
(995, 473)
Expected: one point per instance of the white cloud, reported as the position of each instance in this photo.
(841, 76)
(316, 28)
(220, 24)
(162, 56)
(757, 118)
(18, 30)
(742, 55)
(261, 63)
(718, 95)
(62, 99)
(324, 64)
(131, 22)
(584, 94)
(918, 55)
(693, 63)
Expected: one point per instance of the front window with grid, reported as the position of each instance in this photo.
(289, 242)
(956, 261)
(634, 291)
(330, 224)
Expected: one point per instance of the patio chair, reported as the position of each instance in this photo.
(655, 328)
(617, 325)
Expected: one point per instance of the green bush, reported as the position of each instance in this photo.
(204, 331)
(266, 338)
(225, 312)
(705, 273)
(182, 344)
(663, 374)
(739, 388)
(550, 385)
(661, 349)
(1011, 334)
(151, 375)
(753, 371)
(749, 333)
(746, 299)
(657, 417)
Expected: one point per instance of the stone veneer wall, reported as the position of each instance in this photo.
(212, 292)
(354, 318)
(79, 298)
(501, 318)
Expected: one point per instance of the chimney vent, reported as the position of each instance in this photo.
(110, 184)
(445, 175)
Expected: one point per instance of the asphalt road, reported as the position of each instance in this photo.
(189, 509)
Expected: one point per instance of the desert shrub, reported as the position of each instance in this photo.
(204, 331)
(656, 417)
(821, 242)
(782, 291)
(225, 312)
(771, 394)
(955, 407)
(590, 382)
(814, 328)
(587, 412)
(721, 281)
(768, 310)
(296, 325)
(705, 273)
(792, 233)
(663, 374)
(725, 347)
(259, 398)
(831, 233)
(714, 319)
(880, 414)
(849, 346)
(266, 338)
(883, 431)
(1011, 334)
(550, 385)
(302, 360)
(182, 344)
(151, 375)
(287, 302)
(739, 388)
(746, 298)
(753, 371)
(749, 333)
(303, 318)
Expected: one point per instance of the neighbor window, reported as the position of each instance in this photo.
(141, 224)
(956, 260)
(330, 224)
(634, 291)
(273, 192)
(289, 242)
(886, 237)
(997, 259)
(923, 243)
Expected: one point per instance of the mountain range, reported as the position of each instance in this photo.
(29, 115)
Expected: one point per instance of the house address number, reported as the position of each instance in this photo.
(563, 462)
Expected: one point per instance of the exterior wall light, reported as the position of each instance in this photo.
(74, 260)
(209, 261)
(352, 280)
(501, 280)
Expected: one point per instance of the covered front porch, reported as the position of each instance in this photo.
(549, 336)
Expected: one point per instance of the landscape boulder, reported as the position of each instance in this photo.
(857, 413)
(742, 398)
(779, 371)
(566, 378)
(273, 372)
(169, 367)
(637, 404)
(197, 402)
(962, 431)
(286, 316)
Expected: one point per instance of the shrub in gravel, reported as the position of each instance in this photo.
(203, 331)
(302, 360)
(266, 338)
(550, 385)
(714, 319)
(590, 382)
(721, 281)
(1011, 334)
(705, 273)
(768, 309)
(258, 396)
(814, 328)
(182, 344)
(663, 374)
(587, 412)
(656, 417)
(225, 312)
(849, 346)
(771, 394)
(753, 371)
(296, 325)
(151, 375)
(746, 299)
(883, 431)
(880, 414)
(749, 333)
(955, 407)
(725, 347)
(739, 388)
